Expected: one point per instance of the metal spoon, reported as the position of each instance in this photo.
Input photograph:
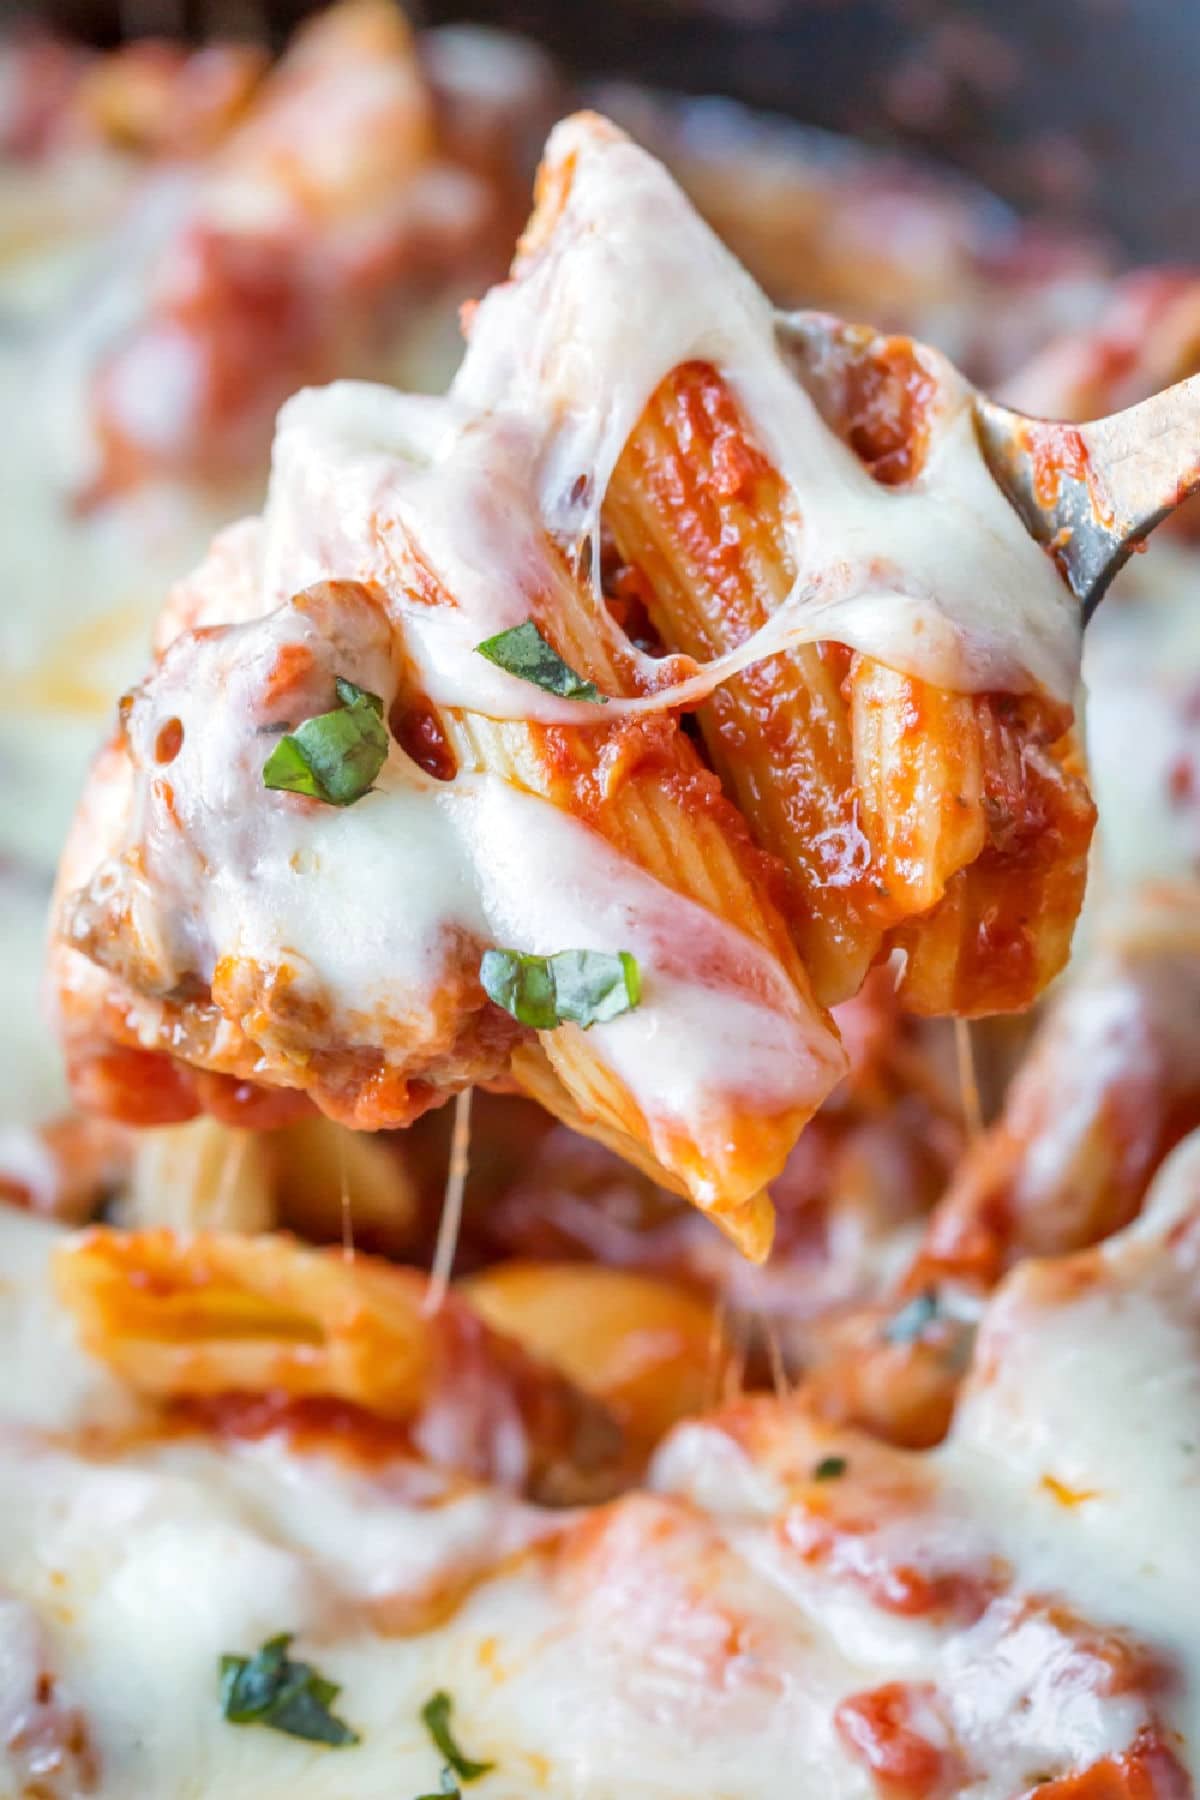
(1091, 494)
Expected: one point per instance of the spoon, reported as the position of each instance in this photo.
(1090, 494)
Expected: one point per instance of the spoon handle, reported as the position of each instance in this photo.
(1092, 493)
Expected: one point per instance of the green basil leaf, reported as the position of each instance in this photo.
(288, 767)
(350, 695)
(448, 1788)
(335, 756)
(251, 1684)
(270, 1689)
(906, 1326)
(591, 986)
(303, 1711)
(830, 1468)
(435, 1715)
(572, 987)
(522, 985)
(524, 652)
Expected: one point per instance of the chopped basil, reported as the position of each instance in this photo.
(830, 1468)
(448, 1788)
(270, 1689)
(576, 987)
(336, 755)
(435, 1715)
(908, 1324)
(350, 694)
(524, 652)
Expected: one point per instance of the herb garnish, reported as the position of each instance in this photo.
(270, 1689)
(909, 1323)
(335, 756)
(830, 1468)
(576, 987)
(448, 1788)
(524, 652)
(435, 1715)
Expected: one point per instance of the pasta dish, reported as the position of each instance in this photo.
(616, 1224)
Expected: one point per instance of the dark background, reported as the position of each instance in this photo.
(1083, 109)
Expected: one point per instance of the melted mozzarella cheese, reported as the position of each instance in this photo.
(1069, 1489)
(456, 512)
(50, 214)
(1095, 1491)
(366, 907)
(1142, 668)
(80, 592)
(693, 1639)
(146, 1568)
(48, 1382)
(1079, 1436)
(33, 1086)
(372, 485)
(938, 578)
(82, 587)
